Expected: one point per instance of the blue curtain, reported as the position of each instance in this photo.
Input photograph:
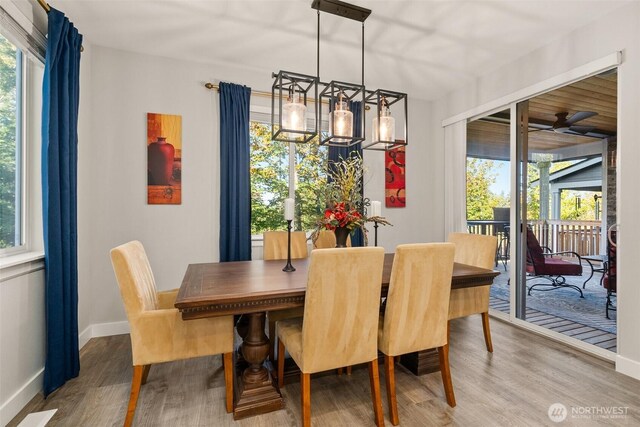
(235, 184)
(338, 153)
(60, 97)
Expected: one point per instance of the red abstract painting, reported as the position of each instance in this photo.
(394, 187)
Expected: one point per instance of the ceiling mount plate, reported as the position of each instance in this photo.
(340, 8)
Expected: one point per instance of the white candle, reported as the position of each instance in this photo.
(376, 208)
(288, 209)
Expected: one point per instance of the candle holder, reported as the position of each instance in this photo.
(375, 233)
(289, 268)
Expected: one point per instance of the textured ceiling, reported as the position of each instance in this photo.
(426, 48)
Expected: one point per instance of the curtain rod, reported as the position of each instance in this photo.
(262, 94)
(47, 8)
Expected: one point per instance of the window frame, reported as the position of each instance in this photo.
(262, 114)
(22, 83)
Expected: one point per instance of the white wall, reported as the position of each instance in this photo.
(124, 87)
(617, 31)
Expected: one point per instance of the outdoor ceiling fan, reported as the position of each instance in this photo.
(567, 125)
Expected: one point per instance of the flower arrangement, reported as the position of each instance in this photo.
(345, 204)
(342, 216)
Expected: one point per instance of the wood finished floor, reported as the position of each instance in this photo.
(514, 386)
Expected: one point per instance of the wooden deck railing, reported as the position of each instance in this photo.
(582, 237)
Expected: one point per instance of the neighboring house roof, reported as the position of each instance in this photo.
(582, 176)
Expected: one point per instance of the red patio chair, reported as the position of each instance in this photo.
(609, 279)
(542, 265)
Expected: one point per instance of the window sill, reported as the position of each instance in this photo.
(20, 259)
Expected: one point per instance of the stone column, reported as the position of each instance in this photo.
(543, 167)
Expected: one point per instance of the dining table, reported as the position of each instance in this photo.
(253, 288)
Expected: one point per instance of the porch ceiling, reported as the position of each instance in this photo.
(489, 137)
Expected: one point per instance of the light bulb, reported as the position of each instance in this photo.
(384, 130)
(294, 114)
(341, 122)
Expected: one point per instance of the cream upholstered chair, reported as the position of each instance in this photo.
(327, 239)
(275, 247)
(479, 251)
(340, 321)
(158, 333)
(416, 313)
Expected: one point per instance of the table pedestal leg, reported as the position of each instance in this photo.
(421, 362)
(255, 389)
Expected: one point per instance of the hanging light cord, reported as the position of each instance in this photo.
(318, 49)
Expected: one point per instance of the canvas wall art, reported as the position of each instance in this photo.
(164, 159)
(394, 188)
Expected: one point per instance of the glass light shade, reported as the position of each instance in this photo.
(341, 123)
(385, 130)
(294, 114)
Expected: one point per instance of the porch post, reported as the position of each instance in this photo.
(543, 167)
(556, 203)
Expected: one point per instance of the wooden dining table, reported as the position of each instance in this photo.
(252, 288)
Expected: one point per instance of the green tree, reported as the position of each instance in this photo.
(270, 181)
(8, 63)
(481, 174)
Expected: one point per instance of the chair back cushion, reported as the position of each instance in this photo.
(341, 308)
(135, 278)
(475, 249)
(418, 300)
(534, 250)
(275, 245)
(327, 239)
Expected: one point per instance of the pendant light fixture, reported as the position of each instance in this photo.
(383, 132)
(292, 93)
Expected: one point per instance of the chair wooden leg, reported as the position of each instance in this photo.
(272, 340)
(145, 373)
(448, 331)
(339, 371)
(349, 370)
(280, 364)
(136, 382)
(390, 381)
(305, 386)
(227, 361)
(374, 378)
(487, 331)
(443, 353)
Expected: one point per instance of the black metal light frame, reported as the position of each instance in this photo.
(392, 97)
(287, 83)
(329, 96)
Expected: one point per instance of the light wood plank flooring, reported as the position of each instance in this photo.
(512, 387)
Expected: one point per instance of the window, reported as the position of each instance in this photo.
(11, 147)
(271, 166)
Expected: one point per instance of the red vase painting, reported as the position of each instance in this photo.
(395, 190)
(164, 159)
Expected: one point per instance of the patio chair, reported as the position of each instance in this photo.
(609, 278)
(501, 231)
(541, 264)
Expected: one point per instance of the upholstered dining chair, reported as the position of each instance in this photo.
(327, 239)
(158, 333)
(416, 313)
(275, 247)
(340, 320)
(477, 250)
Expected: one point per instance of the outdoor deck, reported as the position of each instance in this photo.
(563, 310)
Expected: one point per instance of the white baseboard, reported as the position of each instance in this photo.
(628, 367)
(108, 329)
(33, 386)
(20, 398)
